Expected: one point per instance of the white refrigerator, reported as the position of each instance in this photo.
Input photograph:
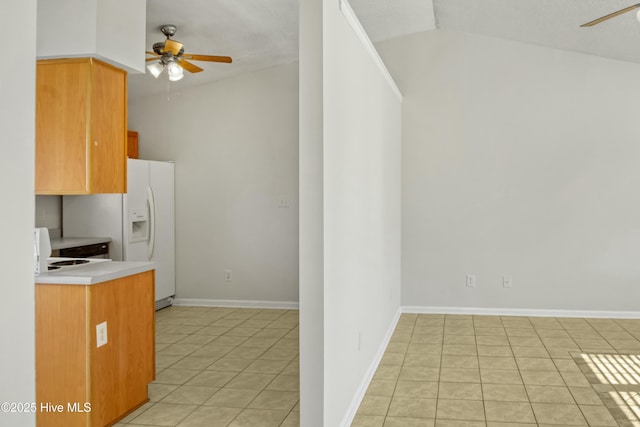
(140, 222)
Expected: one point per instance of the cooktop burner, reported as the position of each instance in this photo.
(59, 264)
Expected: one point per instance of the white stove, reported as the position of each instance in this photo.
(59, 264)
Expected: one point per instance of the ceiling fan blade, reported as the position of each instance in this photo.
(172, 46)
(151, 53)
(209, 58)
(192, 68)
(153, 59)
(611, 15)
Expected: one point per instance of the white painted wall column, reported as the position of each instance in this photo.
(350, 120)
(311, 216)
(17, 148)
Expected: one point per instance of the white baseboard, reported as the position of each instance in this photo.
(195, 302)
(364, 385)
(522, 312)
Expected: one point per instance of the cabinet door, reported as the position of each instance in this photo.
(61, 352)
(132, 144)
(122, 368)
(81, 127)
(62, 111)
(107, 165)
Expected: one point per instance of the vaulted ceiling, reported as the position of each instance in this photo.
(260, 34)
(551, 23)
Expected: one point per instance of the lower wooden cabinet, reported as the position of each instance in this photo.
(83, 384)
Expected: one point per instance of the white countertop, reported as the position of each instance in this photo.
(72, 242)
(98, 272)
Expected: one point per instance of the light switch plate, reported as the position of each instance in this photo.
(101, 334)
(471, 280)
(506, 281)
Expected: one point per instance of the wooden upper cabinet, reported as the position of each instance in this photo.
(132, 144)
(81, 127)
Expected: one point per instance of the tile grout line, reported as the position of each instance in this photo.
(267, 385)
(444, 328)
(401, 365)
(475, 327)
(563, 379)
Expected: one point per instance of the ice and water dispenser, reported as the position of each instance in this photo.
(139, 225)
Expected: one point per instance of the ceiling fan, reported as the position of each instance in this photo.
(170, 55)
(611, 15)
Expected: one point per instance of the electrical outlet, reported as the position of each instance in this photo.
(506, 281)
(101, 334)
(283, 201)
(471, 280)
(228, 275)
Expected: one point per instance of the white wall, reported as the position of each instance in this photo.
(121, 33)
(49, 211)
(362, 146)
(66, 27)
(349, 216)
(235, 144)
(17, 118)
(113, 31)
(517, 160)
(311, 237)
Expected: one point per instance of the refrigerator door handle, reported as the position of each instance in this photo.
(152, 222)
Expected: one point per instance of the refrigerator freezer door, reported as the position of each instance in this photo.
(161, 179)
(136, 211)
(113, 215)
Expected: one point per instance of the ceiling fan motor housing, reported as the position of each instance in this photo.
(168, 30)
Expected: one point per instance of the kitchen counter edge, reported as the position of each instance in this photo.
(92, 274)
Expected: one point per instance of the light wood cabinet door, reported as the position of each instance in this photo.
(81, 127)
(122, 368)
(132, 144)
(72, 370)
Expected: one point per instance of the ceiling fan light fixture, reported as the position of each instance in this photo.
(175, 71)
(171, 56)
(155, 69)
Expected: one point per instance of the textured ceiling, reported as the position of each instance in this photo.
(552, 23)
(256, 34)
(387, 19)
(263, 33)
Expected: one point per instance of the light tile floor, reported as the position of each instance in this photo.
(239, 367)
(495, 371)
(223, 367)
